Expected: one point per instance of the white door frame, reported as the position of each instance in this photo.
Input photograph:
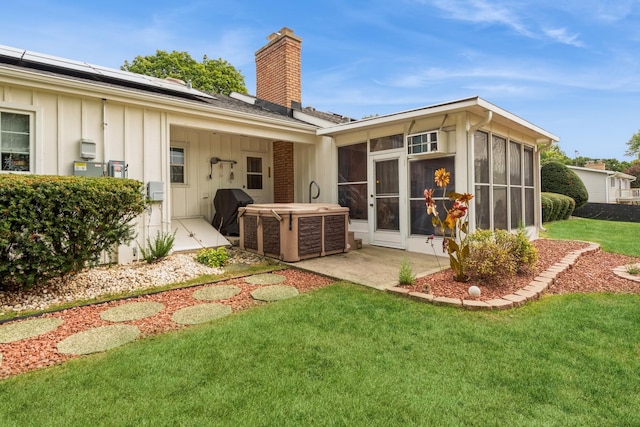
(387, 237)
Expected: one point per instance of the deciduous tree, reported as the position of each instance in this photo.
(210, 75)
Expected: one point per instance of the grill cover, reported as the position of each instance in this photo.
(226, 204)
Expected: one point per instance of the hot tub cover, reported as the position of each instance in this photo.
(226, 203)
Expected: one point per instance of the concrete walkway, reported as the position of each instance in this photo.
(372, 266)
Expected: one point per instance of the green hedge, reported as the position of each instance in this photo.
(556, 207)
(54, 225)
(558, 178)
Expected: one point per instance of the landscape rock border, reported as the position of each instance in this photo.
(530, 292)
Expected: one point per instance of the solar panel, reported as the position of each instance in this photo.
(99, 71)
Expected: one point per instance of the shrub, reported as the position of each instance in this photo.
(55, 225)
(556, 207)
(213, 257)
(525, 253)
(558, 178)
(159, 248)
(489, 257)
(495, 255)
(547, 207)
(406, 276)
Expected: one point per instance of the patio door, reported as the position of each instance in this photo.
(387, 212)
(256, 179)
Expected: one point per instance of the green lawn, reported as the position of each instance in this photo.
(351, 356)
(616, 237)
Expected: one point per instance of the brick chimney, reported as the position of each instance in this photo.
(595, 165)
(278, 80)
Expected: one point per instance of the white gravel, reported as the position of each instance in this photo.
(105, 280)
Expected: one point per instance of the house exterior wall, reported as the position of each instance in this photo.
(457, 143)
(138, 128)
(132, 134)
(597, 184)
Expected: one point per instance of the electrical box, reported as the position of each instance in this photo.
(87, 149)
(155, 191)
(117, 169)
(88, 169)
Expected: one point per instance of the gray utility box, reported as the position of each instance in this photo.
(88, 169)
(155, 191)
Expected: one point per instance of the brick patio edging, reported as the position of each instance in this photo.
(532, 291)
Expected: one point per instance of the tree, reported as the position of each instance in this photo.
(554, 154)
(210, 75)
(558, 178)
(634, 145)
(634, 170)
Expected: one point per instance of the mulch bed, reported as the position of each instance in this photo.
(39, 352)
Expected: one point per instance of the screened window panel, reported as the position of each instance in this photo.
(483, 219)
(499, 160)
(529, 208)
(500, 208)
(387, 142)
(516, 207)
(528, 166)
(422, 173)
(354, 197)
(515, 165)
(481, 157)
(352, 163)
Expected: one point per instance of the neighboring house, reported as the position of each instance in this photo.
(606, 186)
(62, 117)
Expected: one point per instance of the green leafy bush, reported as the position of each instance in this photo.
(55, 225)
(558, 178)
(406, 276)
(159, 247)
(496, 255)
(213, 257)
(556, 207)
(524, 251)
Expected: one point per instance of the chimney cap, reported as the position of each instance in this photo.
(284, 32)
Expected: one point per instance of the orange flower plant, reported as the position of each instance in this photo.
(455, 227)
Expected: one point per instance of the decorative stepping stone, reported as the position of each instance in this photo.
(201, 313)
(131, 311)
(0, 359)
(274, 293)
(28, 328)
(213, 293)
(98, 339)
(265, 279)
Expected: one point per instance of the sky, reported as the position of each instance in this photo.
(571, 67)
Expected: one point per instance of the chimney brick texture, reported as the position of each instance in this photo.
(278, 80)
(278, 69)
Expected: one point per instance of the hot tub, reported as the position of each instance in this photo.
(294, 231)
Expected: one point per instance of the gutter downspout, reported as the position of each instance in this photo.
(471, 130)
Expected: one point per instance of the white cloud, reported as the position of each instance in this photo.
(561, 35)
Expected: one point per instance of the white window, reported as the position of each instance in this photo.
(177, 165)
(504, 183)
(254, 173)
(426, 142)
(15, 141)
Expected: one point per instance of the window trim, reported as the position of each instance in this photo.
(33, 124)
(522, 185)
(185, 149)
